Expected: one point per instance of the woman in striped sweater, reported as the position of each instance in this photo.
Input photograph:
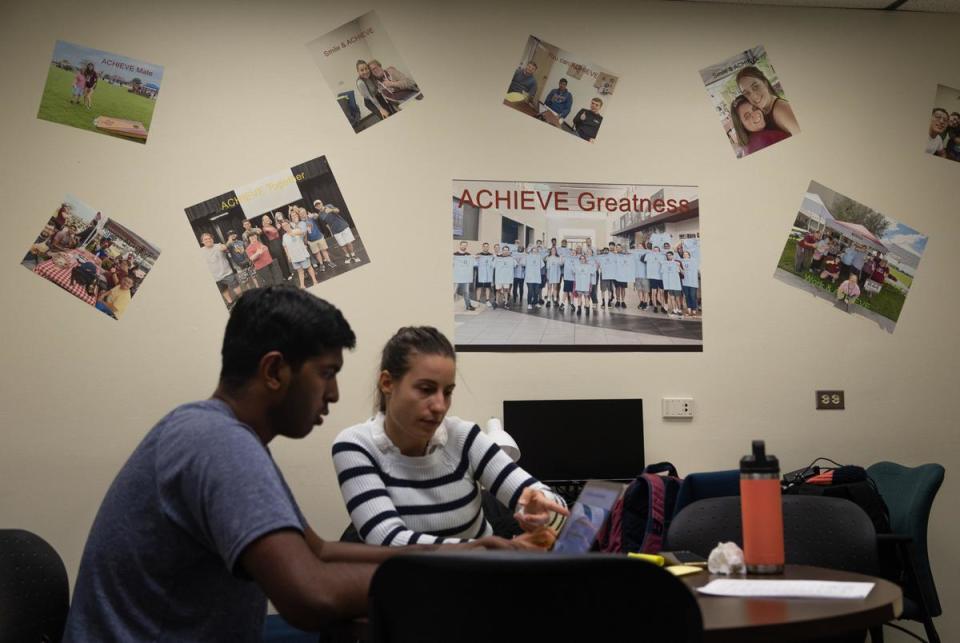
(413, 475)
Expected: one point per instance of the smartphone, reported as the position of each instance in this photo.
(684, 557)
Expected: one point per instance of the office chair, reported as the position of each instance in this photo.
(707, 484)
(515, 596)
(909, 493)
(827, 532)
(34, 592)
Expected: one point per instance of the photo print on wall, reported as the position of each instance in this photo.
(92, 257)
(365, 71)
(747, 95)
(560, 89)
(99, 91)
(576, 267)
(943, 136)
(291, 227)
(849, 254)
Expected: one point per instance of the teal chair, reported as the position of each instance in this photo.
(909, 493)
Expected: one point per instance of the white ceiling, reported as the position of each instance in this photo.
(936, 6)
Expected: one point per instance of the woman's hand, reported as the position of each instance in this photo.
(541, 539)
(384, 113)
(533, 509)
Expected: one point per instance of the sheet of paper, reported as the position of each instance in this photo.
(786, 588)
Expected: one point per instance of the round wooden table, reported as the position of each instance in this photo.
(745, 620)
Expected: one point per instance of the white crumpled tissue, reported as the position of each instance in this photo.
(726, 558)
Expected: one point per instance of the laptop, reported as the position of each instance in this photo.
(587, 516)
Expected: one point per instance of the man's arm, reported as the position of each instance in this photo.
(332, 551)
(308, 592)
(338, 552)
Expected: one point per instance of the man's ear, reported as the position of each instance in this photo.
(274, 371)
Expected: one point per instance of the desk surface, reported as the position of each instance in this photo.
(743, 620)
(526, 108)
(762, 620)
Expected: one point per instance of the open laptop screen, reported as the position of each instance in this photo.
(587, 517)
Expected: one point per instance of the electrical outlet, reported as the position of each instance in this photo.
(677, 407)
(830, 400)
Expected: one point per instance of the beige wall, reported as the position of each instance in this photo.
(241, 99)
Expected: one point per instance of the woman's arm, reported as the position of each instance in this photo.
(784, 119)
(512, 485)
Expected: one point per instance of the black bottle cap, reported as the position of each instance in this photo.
(759, 461)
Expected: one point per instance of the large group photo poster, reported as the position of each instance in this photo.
(100, 91)
(747, 95)
(365, 72)
(540, 266)
(852, 256)
(560, 89)
(292, 227)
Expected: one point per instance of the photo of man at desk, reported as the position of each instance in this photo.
(550, 84)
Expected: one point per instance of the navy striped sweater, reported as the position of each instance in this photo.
(397, 500)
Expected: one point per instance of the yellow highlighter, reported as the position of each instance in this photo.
(650, 558)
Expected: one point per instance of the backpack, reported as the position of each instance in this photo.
(640, 518)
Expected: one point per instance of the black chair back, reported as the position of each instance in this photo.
(513, 596)
(34, 591)
(817, 530)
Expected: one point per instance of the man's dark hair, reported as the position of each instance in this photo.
(284, 319)
(563, 81)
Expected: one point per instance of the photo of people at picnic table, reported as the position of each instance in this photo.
(92, 257)
(852, 255)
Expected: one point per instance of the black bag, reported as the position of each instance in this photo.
(851, 483)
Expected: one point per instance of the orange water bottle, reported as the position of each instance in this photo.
(762, 511)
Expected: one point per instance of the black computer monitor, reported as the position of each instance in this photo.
(563, 440)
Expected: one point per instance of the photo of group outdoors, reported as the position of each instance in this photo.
(576, 267)
(560, 89)
(844, 252)
(365, 71)
(92, 257)
(100, 91)
(291, 227)
(943, 138)
(748, 97)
